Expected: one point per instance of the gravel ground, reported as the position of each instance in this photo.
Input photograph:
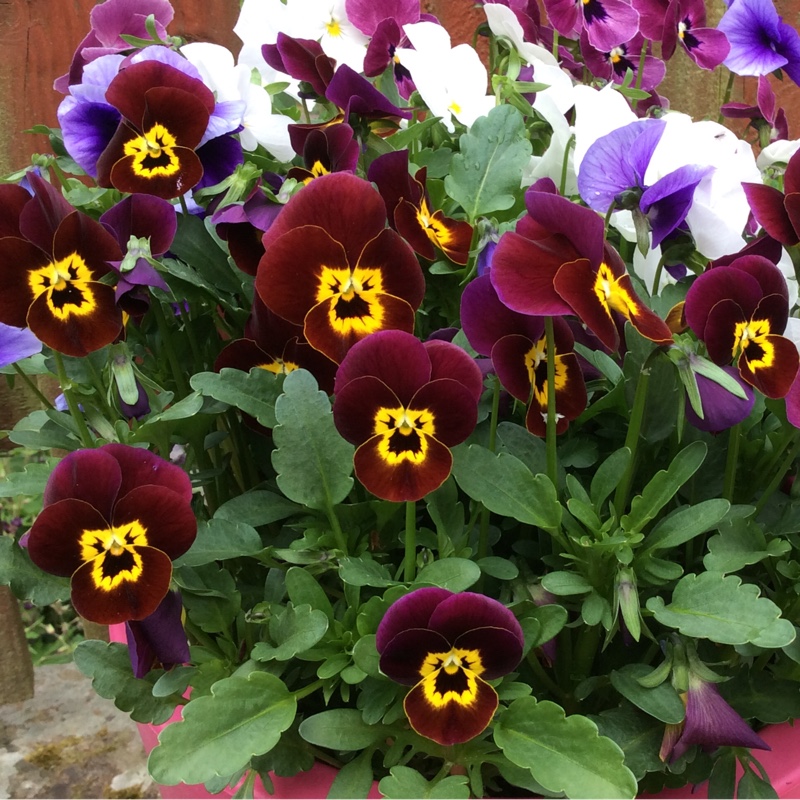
(67, 743)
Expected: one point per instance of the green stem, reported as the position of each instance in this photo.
(726, 98)
(585, 651)
(172, 358)
(565, 163)
(731, 462)
(640, 68)
(32, 386)
(541, 676)
(550, 436)
(338, 533)
(657, 276)
(632, 437)
(410, 543)
(299, 694)
(483, 533)
(72, 405)
(778, 476)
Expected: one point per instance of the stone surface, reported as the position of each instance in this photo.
(67, 742)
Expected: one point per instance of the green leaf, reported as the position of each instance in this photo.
(739, 543)
(340, 729)
(529, 449)
(506, 486)
(313, 461)
(549, 619)
(684, 524)
(564, 754)
(607, 476)
(257, 508)
(751, 786)
(638, 735)
(498, 567)
(566, 583)
(661, 702)
(303, 588)
(485, 173)
(723, 609)
(222, 731)
(219, 539)
(109, 666)
(354, 779)
(26, 580)
(404, 782)
(364, 572)
(365, 655)
(293, 631)
(253, 392)
(455, 574)
(28, 483)
(663, 486)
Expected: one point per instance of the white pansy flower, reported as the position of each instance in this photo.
(778, 152)
(503, 22)
(451, 81)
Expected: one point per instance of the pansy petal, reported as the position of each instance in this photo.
(412, 610)
(112, 589)
(721, 408)
(770, 365)
(403, 656)
(466, 611)
(357, 405)
(41, 217)
(509, 356)
(769, 277)
(54, 540)
(399, 269)
(450, 710)
(13, 199)
(453, 407)
(158, 640)
(450, 361)
(16, 344)
(500, 649)
(90, 241)
(140, 467)
(181, 171)
(78, 320)
(164, 517)
(93, 476)
(402, 468)
(298, 267)
(335, 325)
(143, 216)
(715, 285)
(19, 260)
(408, 220)
(766, 203)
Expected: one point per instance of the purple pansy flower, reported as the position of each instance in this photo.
(710, 722)
(607, 22)
(354, 94)
(760, 41)
(685, 22)
(721, 409)
(612, 65)
(158, 640)
(447, 646)
(16, 344)
(613, 172)
(765, 116)
(302, 59)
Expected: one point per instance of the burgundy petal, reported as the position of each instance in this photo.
(453, 408)
(466, 611)
(140, 467)
(413, 610)
(93, 476)
(450, 361)
(403, 655)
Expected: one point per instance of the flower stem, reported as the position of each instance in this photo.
(72, 405)
(565, 163)
(32, 386)
(731, 462)
(410, 559)
(778, 475)
(307, 690)
(338, 533)
(483, 533)
(632, 437)
(172, 358)
(550, 436)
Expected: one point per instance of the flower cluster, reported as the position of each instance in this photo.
(435, 414)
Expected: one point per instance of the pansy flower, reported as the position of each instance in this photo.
(556, 262)
(404, 404)
(302, 59)
(778, 212)
(325, 149)
(332, 266)
(51, 274)
(447, 646)
(767, 117)
(607, 23)
(517, 346)
(740, 312)
(113, 520)
(613, 64)
(685, 22)
(408, 206)
(710, 723)
(158, 640)
(165, 114)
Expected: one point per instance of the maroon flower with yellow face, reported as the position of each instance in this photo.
(740, 312)
(52, 266)
(405, 404)
(517, 346)
(332, 266)
(164, 116)
(447, 646)
(556, 262)
(113, 520)
(408, 206)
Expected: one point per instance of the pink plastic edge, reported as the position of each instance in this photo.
(781, 764)
(313, 784)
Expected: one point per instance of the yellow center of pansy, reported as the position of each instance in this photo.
(433, 228)
(451, 677)
(751, 339)
(67, 286)
(279, 366)
(611, 295)
(356, 306)
(153, 152)
(112, 552)
(536, 365)
(404, 434)
(333, 27)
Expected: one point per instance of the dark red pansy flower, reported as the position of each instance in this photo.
(778, 212)
(556, 262)
(113, 520)
(164, 116)
(52, 261)
(517, 346)
(278, 346)
(740, 312)
(408, 206)
(328, 148)
(158, 640)
(332, 266)
(405, 404)
(447, 646)
(302, 59)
